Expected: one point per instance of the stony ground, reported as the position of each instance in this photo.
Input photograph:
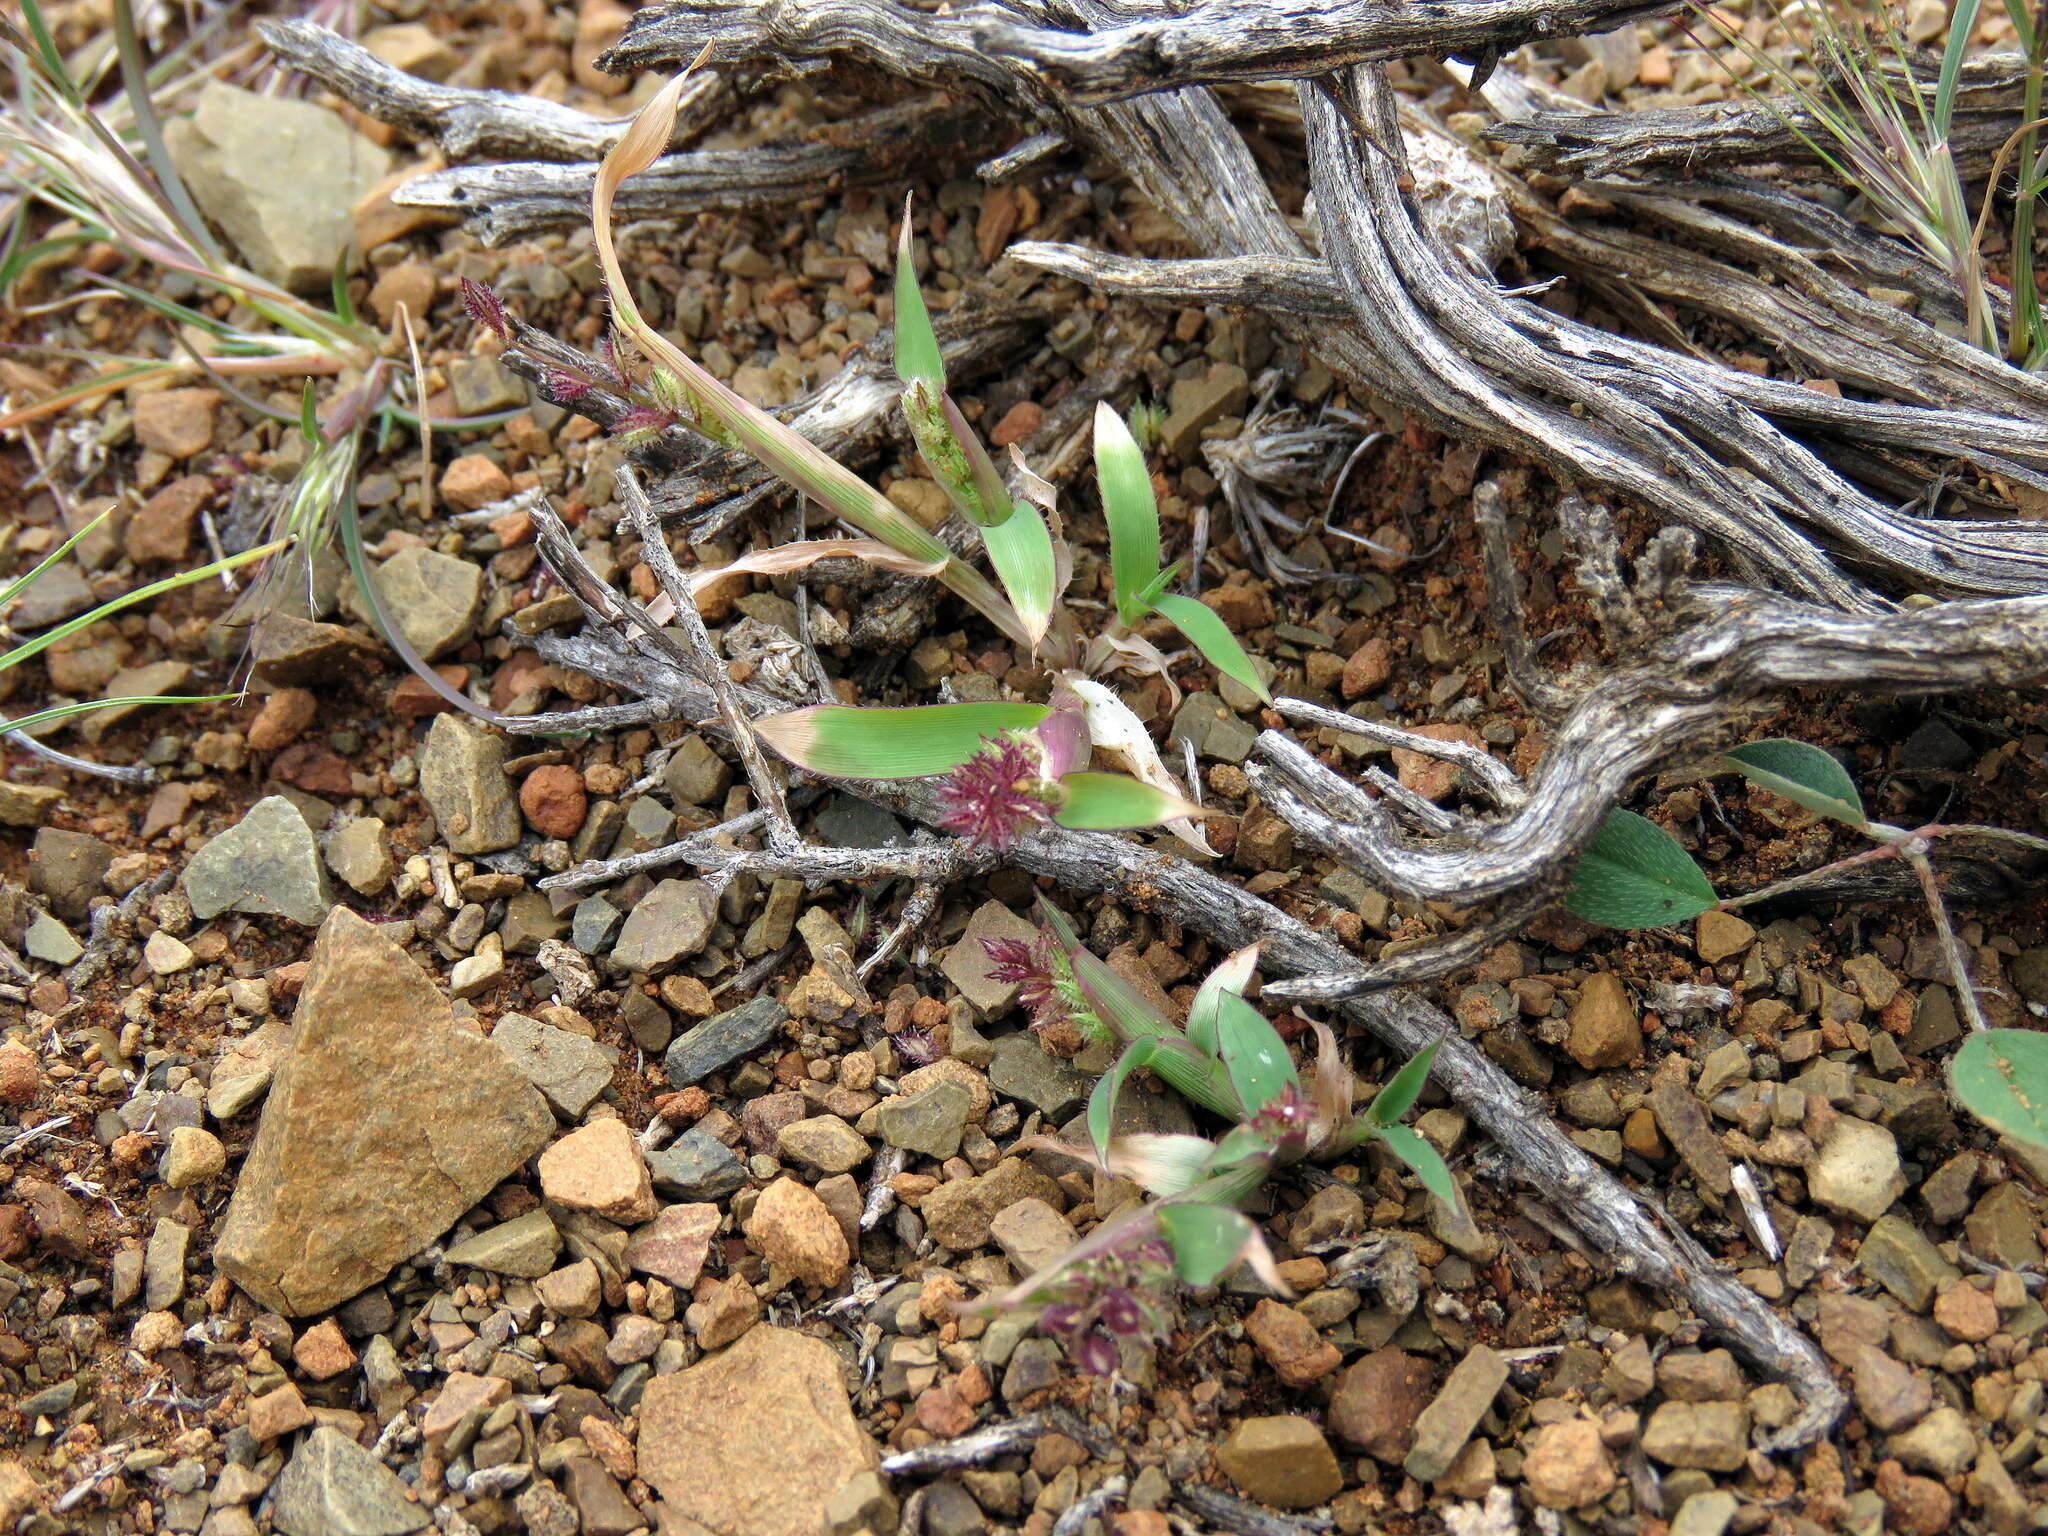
(349, 1183)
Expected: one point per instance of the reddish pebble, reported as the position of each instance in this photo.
(413, 699)
(554, 801)
(1018, 423)
(1368, 669)
(15, 1228)
(474, 481)
(19, 1075)
(283, 719)
(313, 768)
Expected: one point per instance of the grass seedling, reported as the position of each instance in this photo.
(1009, 766)
(1228, 1061)
(1635, 875)
(1884, 129)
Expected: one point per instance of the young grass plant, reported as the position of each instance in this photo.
(1635, 875)
(1009, 766)
(1227, 1060)
(1885, 130)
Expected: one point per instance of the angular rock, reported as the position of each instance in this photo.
(570, 1070)
(824, 1142)
(1377, 1401)
(1684, 1123)
(1712, 1437)
(957, 1214)
(70, 868)
(524, 1247)
(930, 1122)
(723, 1039)
(696, 1166)
(384, 1124)
(267, 863)
(1694, 1376)
(294, 652)
(754, 1441)
(333, 1487)
(1566, 1466)
(1898, 1256)
(598, 1168)
(1605, 1031)
(672, 1247)
(1031, 1234)
(433, 598)
(1448, 1422)
(792, 1229)
(1290, 1343)
(279, 177)
(1022, 1069)
(967, 964)
(359, 853)
(670, 922)
(1282, 1460)
(1890, 1396)
(462, 776)
(1856, 1172)
(1942, 1444)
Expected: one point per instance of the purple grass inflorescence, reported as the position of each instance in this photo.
(996, 795)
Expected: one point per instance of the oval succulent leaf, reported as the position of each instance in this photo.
(1161, 1165)
(2001, 1077)
(1634, 875)
(1130, 509)
(1803, 774)
(914, 742)
(1212, 637)
(1115, 802)
(1102, 1099)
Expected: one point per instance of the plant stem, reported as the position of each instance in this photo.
(1914, 851)
(2029, 339)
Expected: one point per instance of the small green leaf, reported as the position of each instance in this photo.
(1020, 549)
(1130, 510)
(1206, 1240)
(1399, 1096)
(1803, 774)
(1260, 1068)
(309, 416)
(1634, 875)
(1116, 802)
(917, 345)
(1232, 976)
(1212, 637)
(1108, 1087)
(2001, 1077)
(1418, 1154)
(908, 743)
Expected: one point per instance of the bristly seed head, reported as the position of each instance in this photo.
(914, 1045)
(566, 387)
(997, 795)
(486, 309)
(642, 423)
(1028, 966)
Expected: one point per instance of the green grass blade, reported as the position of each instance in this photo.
(1212, 637)
(1116, 802)
(135, 85)
(917, 344)
(1952, 55)
(56, 712)
(914, 742)
(112, 606)
(1424, 1159)
(1399, 1096)
(1021, 553)
(22, 582)
(1206, 1240)
(1130, 509)
(1260, 1068)
(1232, 976)
(1109, 1087)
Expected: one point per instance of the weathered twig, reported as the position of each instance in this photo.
(511, 201)
(991, 50)
(467, 123)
